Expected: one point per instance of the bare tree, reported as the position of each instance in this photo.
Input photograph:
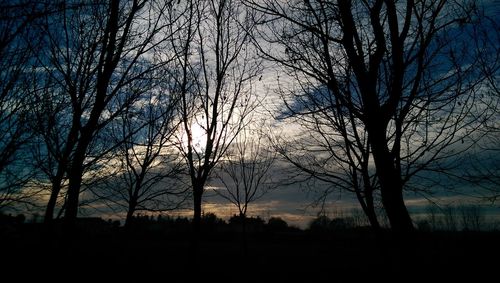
(403, 70)
(217, 67)
(147, 170)
(246, 171)
(334, 149)
(50, 150)
(484, 171)
(93, 50)
(16, 21)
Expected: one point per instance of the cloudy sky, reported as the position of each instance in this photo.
(300, 202)
(297, 202)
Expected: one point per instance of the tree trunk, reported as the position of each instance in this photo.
(51, 205)
(196, 233)
(391, 187)
(62, 167)
(366, 202)
(72, 202)
(370, 211)
(197, 195)
(243, 218)
(244, 234)
(130, 213)
(392, 199)
(75, 182)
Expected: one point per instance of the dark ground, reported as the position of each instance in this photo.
(272, 256)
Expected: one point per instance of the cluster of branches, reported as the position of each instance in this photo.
(75, 67)
(246, 173)
(106, 100)
(218, 67)
(107, 96)
(388, 90)
(15, 22)
(98, 63)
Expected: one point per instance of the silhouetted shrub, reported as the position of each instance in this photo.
(324, 223)
(252, 224)
(471, 217)
(276, 224)
(211, 222)
(320, 223)
(340, 224)
(453, 218)
(211, 219)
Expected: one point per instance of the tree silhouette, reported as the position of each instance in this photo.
(96, 67)
(216, 71)
(335, 151)
(246, 171)
(484, 171)
(16, 23)
(403, 72)
(146, 174)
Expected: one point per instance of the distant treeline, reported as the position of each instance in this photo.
(448, 218)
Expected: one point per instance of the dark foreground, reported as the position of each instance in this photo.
(272, 256)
